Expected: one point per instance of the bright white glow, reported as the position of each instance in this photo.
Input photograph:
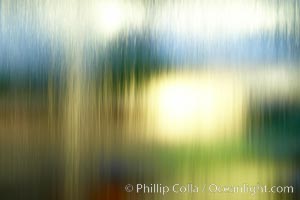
(215, 18)
(182, 101)
(190, 107)
(111, 17)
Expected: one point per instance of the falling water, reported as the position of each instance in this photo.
(98, 94)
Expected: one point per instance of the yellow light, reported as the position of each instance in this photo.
(191, 107)
(182, 101)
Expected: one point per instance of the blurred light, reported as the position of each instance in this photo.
(190, 106)
(111, 17)
(212, 18)
(182, 101)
